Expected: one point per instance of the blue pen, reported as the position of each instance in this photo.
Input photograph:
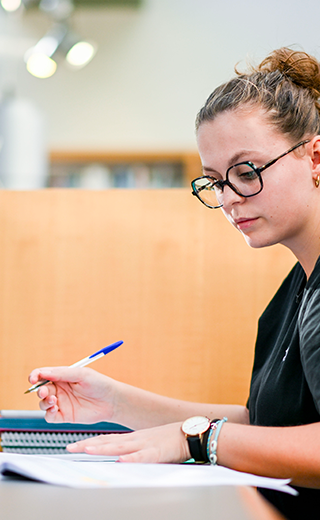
(82, 363)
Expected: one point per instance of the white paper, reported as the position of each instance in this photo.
(88, 473)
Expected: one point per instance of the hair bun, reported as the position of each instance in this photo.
(300, 67)
(286, 86)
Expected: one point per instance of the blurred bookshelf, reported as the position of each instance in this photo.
(100, 170)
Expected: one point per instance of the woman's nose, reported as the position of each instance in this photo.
(230, 197)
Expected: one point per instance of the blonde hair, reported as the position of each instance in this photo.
(286, 85)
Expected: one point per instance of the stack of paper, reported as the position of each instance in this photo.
(90, 472)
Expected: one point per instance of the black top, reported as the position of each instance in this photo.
(285, 385)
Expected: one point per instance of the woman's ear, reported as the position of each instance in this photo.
(315, 158)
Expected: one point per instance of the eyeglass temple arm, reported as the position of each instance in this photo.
(270, 163)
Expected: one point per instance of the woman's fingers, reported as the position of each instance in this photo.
(142, 456)
(57, 374)
(161, 444)
(109, 444)
(74, 394)
(128, 452)
(49, 404)
(46, 391)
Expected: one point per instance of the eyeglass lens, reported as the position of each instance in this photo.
(244, 180)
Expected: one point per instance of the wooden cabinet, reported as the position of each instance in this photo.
(100, 170)
(81, 269)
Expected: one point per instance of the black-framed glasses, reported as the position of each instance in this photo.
(243, 178)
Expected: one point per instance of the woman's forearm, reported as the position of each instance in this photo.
(283, 452)
(137, 408)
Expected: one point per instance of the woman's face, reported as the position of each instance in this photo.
(280, 213)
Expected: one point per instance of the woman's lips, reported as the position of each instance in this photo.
(244, 223)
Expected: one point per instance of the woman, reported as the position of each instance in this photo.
(259, 141)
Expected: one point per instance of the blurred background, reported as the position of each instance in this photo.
(118, 110)
(103, 94)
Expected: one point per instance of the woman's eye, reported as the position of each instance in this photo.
(249, 175)
(243, 172)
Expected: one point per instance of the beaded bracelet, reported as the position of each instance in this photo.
(212, 444)
(213, 427)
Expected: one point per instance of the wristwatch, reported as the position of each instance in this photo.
(195, 429)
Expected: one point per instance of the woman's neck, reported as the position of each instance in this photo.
(308, 254)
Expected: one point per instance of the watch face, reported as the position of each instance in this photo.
(195, 425)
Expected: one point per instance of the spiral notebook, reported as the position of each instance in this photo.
(26, 431)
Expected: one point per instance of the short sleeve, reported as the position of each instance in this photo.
(309, 331)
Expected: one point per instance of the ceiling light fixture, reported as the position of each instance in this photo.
(39, 61)
(78, 52)
(11, 5)
(42, 59)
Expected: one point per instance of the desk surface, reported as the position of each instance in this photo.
(30, 500)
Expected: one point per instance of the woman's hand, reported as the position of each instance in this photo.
(75, 394)
(160, 444)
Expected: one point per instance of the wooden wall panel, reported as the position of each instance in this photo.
(81, 269)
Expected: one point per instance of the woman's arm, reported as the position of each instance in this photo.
(84, 395)
(283, 452)
(139, 409)
(288, 452)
